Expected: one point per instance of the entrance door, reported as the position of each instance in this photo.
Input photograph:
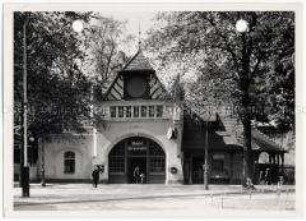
(133, 152)
(137, 170)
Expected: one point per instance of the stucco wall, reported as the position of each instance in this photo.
(54, 148)
(109, 133)
(114, 131)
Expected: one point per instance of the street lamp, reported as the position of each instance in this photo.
(206, 157)
(242, 26)
(25, 170)
(78, 26)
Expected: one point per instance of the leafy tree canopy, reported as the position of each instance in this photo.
(59, 82)
(206, 49)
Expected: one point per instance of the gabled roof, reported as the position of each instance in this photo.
(138, 62)
(262, 143)
(228, 136)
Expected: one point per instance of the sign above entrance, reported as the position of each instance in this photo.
(137, 146)
(137, 149)
(137, 143)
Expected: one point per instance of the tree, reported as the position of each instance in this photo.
(238, 69)
(61, 67)
(55, 83)
(101, 43)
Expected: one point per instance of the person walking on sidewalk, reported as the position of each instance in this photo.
(95, 177)
(136, 174)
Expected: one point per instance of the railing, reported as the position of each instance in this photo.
(139, 110)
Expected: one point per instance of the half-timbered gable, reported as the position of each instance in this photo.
(137, 80)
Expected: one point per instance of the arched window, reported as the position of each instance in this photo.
(69, 162)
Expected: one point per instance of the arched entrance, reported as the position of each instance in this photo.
(135, 152)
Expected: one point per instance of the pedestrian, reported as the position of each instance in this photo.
(261, 177)
(136, 174)
(95, 177)
(249, 184)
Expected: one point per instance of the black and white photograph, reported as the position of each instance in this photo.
(131, 109)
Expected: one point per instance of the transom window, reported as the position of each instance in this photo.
(69, 162)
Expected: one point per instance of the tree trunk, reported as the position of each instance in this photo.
(248, 156)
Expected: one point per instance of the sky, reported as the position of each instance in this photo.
(136, 19)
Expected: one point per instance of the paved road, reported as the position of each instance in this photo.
(191, 198)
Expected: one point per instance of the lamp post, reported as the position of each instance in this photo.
(43, 174)
(242, 26)
(206, 157)
(25, 170)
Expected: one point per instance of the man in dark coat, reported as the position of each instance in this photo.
(95, 177)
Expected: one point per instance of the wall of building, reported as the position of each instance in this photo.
(156, 130)
(109, 133)
(52, 149)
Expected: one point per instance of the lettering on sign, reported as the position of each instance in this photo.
(137, 149)
(137, 143)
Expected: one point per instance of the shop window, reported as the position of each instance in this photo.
(69, 162)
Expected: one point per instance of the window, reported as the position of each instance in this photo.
(143, 111)
(159, 111)
(69, 162)
(157, 158)
(157, 165)
(113, 112)
(116, 165)
(120, 111)
(136, 111)
(151, 111)
(117, 159)
(128, 112)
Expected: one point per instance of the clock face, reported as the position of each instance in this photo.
(136, 87)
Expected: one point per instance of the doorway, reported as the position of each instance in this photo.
(139, 176)
(137, 151)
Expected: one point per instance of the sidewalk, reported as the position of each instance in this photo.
(85, 193)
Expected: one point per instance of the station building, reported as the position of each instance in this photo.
(144, 127)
